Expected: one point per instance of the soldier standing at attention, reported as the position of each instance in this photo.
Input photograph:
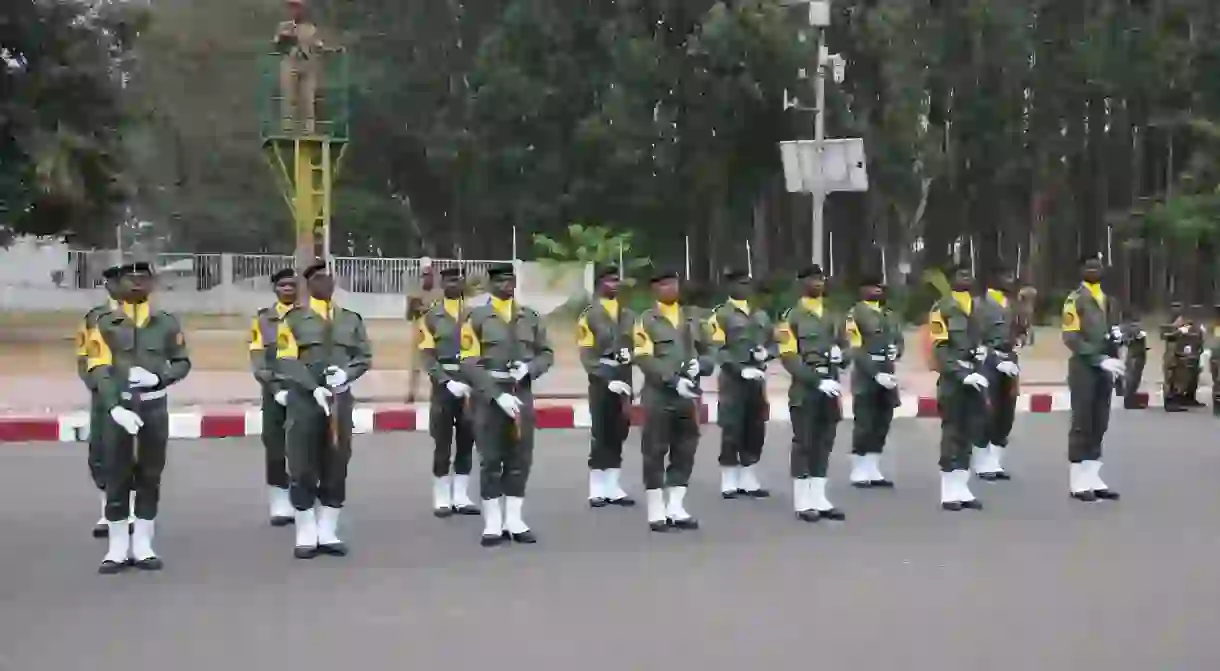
(97, 413)
(321, 349)
(1001, 332)
(1088, 321)
(1134, 341)
(876, 340)
(961, 389)
(275, 395)
(504, 348)
(134, 354)
(448, 421)
(421, 296)
(297, 41)
(603, 334)
(672, 352)
(1176, 361)
(809, 339)
(1198, 344)
(744, 339)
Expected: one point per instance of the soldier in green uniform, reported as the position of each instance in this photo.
(97, 413)
(961, 390)
(875, 336)
(1211, 359)
(452, 431)
(135, 353)
(1178, 360)
(321, 349)
(504, 348)
(1198, 343)
(603, 334)
(744, 339)
(810, 340)
(1134, 341)
(263, 332)
(673, 353)
(1000, 330)
(1088, 319)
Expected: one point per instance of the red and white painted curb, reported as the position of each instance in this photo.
(227, 423)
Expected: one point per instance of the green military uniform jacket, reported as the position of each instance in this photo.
(440, 331)
(957, 338)
(805, 335)
(665, 340)
(130, 336)
(736, 330)
(999, 323)
(1087, 326)
(263, 332)
(82, 341)
(877, 343)
(603, 334)
(314, 337)
(496, 335)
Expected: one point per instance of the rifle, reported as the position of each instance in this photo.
(688, 333)
(515, 350)
(328, 344)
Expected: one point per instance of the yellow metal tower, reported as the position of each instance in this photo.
(306, 157)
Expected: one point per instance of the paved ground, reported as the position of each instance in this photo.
(1033, 582)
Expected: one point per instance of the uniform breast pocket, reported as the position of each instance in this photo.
(958, 324)
(663, 347)
(122, 338)
(308, 334)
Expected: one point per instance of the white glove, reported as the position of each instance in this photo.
(511, 405)
(760, 354)
(749, 373)
(980, 353)
(692, 368)
(1187, 350)
(1205, 358)
(886, 380)
(624, 356)
(142, 378)
(1183, 330)
(977, 381)
(457, 389)
(891, 352)
(1116, 334)
(322, 396)
(127, 419)
(619, 387)
(281, 397)
(836, 355)
(519, 371)
(686, 388)
(830, 388)
(335, 377)
(1113, 366)
(1008, 368)
(1143, 335)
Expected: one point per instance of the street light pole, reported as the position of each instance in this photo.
(819, 137)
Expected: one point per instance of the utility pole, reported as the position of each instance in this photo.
(819, 137)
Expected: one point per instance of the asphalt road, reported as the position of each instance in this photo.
(1035, 581)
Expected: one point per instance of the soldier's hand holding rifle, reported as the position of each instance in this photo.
(977, 381)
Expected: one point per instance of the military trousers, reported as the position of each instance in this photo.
(505, 445)
(98, 418)
(873, 413)
(611, 422)
(1090, 392)
(815, 422)
(1214, 367)
(671, 433)
(319, 450)
(1136, 358)
(452, 433)
(135, 463)
(963, 422)
(1002, 409)
(274, 435)
(742, 416)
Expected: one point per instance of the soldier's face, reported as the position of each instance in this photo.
(1005, 282)
(321, 285)
(114, 289)
(741, 288)
(453, 286)
(963, 280)
(815, 285)
(1091, 271)
(666, 291)
(286, 290)
(137, 286)
(504, 286)
(871, 292)
(608, 286)
(296, 10)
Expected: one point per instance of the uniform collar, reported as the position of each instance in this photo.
(503, 307)
(137, 312)
(671, 311)
(282, 309)
(964, 300)
(324, 309)
(1094, 289)
(998, 296)
(876, 305)
(453, 306)
(741, 304)
(812, 304)
(610, 305)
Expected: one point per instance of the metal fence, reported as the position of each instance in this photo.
(204, 272)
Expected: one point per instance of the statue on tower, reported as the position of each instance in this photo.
(301, 48)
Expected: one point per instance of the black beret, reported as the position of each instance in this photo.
(313, 269)
(736, 275)
(453, 271)
(660, 275)
(605, 271)
(1086, 258)
(500, 271)
(137, 268)
(813, 270)
(112, 273)
(872, 280)
(282, 274)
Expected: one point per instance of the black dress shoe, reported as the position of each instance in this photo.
(729, 495)
(687, 524)
(808, 515)
(1002, 475)
(150, 564)
(756, 493)
(625, 502)
(526, 537)
(442, 513)
(282, 521)
(863, 484)
(597, 503)
(491, 541)
(110, 567)
(1087, 497)
(305, 552)
(973, 505)
(834, 515)
(101, 531)
(659, 527)
(468, 511)
(333, 549)
(883, 484)
(951, 506)
(989, 477)
(1106, 494)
